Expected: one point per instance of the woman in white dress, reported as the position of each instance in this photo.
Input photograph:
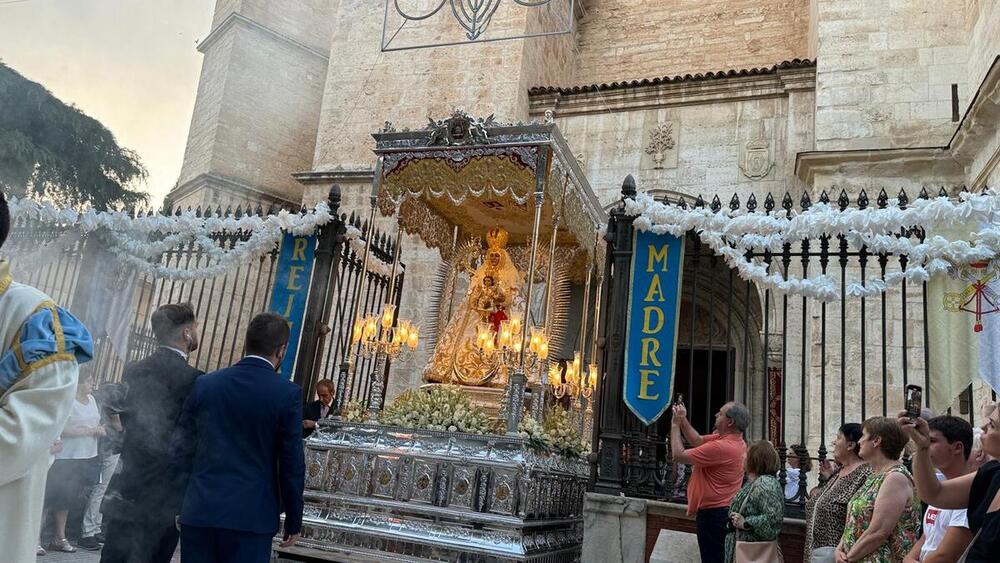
(76, 466)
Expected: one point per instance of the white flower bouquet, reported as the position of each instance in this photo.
(444, 408)
(557, 433)
(353, 411)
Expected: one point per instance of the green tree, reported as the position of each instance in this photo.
(53, 151)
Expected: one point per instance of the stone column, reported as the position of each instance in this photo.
(614, 529)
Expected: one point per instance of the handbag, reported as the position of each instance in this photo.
(755, 551)
(965, 556)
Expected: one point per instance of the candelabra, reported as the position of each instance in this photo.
(383, 339)
(504, 347)
(579, 386)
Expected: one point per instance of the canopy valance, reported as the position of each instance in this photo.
(474, 174)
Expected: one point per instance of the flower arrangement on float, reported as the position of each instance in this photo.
(557, 432)
(353, 411)
(444, 409)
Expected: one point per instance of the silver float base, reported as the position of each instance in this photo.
(377, 493)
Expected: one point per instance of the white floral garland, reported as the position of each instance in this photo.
(129, 237)
(731, 234)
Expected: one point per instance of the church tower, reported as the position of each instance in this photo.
(259, 96)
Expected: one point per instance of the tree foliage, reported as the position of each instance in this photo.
(53, 151)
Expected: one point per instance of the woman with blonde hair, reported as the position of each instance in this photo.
(758, 508)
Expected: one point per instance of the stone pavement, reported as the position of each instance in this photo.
(83, 556)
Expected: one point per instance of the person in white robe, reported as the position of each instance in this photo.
(41, 347)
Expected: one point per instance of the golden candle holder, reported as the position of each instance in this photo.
(382, 338)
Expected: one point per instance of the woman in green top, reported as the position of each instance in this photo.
(883, 517)
(759, 507)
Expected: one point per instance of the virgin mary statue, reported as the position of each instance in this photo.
(494, 292)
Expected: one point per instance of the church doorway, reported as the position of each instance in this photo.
(709, 386)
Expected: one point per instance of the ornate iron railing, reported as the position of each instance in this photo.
(59, 261)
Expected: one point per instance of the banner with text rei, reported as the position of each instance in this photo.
(651, 334)
(291, 288)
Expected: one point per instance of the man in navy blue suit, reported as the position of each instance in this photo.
(240, 433)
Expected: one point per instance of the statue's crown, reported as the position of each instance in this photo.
(497, 237)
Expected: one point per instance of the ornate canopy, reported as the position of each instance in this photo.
(474, 174)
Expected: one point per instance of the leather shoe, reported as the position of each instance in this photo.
(89, 543)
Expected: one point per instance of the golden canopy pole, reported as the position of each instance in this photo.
(517, 380)
(597, 303)
(539, 382)
(593, 371)
(582, 347)
(349, 367)
(556, 217)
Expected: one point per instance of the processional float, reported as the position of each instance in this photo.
(516, 224)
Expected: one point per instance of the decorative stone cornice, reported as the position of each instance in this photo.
(931, 162)
(235, 18)
(952, 162)
(712, 88)
(358, 175)
(231, 187)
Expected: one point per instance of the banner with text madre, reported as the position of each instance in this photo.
(291, 288)
(653, 310)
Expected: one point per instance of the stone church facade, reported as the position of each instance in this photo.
(693, 98)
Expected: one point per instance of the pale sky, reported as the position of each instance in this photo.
(131, 64)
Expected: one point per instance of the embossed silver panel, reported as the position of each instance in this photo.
(424, 479)
(316, 468)
(463, 485)
(351, 477)
(384, 476)
(504, 492)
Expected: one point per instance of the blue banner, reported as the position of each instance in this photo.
(651, 334)
(291, 288)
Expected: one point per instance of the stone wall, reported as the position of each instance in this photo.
(365, 87)
(256, 114)
(984, 38)
(267, 124)
(711, 125)
(885, 71)
(207, 107)
(646, 38)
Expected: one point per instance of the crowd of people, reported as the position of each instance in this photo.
(173, 455)
(870, 507)
(170, 455)
(213, 460)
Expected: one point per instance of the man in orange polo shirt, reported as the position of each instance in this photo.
(717, 460)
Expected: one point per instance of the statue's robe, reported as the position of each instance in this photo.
(41, 347)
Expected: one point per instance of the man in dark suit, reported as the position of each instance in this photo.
(240, 434)
(143, 500)
(319, 409)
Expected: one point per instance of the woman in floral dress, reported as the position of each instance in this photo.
(883, 517)
(757, 510)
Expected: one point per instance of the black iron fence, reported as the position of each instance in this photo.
(802, 366)
(62, 263)
(371, 288)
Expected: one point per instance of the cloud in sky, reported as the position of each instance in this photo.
(131, 64)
